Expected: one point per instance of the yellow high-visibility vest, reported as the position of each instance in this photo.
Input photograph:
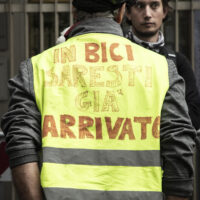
(100, 98)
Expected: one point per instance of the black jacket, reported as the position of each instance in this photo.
(185, 70)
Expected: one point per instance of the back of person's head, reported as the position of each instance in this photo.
(92, 6)
(96, 8)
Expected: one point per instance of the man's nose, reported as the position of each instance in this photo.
(147, 12)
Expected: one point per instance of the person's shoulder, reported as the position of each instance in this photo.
(47, 54)
(183, 62)
(168, 52)
(180, 54)
(181, 57)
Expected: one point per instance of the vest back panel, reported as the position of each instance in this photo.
(100, 97)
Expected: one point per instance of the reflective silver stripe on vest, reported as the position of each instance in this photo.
(74, 194)
(101, 157)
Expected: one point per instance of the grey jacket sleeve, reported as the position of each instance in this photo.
(21, 124)
(177, 139)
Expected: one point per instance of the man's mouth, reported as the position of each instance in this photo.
(148, 24)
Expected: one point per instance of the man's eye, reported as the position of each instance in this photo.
(139, 5)
(154, 5)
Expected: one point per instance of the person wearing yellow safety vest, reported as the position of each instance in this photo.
(98, 117)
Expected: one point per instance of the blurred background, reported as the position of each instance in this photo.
(28, 27)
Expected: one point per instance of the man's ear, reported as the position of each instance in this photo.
(120, 14)
(165, 12)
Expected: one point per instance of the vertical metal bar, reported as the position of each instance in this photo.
(71, 13)
(11, 47)
(193, 67)
(195, 174)
(176, 26)
(41, 27)
(11, 44)
(13, 195)
(197, 192)
(192, 35)
(26, 30)
(56, 20)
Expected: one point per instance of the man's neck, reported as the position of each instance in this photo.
(155, 46)
(147, 37)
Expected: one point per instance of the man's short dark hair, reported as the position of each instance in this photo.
(165, 3)
(130, 3)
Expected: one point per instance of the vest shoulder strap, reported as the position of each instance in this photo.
(169, 53)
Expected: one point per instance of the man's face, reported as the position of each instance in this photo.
(146, 17)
